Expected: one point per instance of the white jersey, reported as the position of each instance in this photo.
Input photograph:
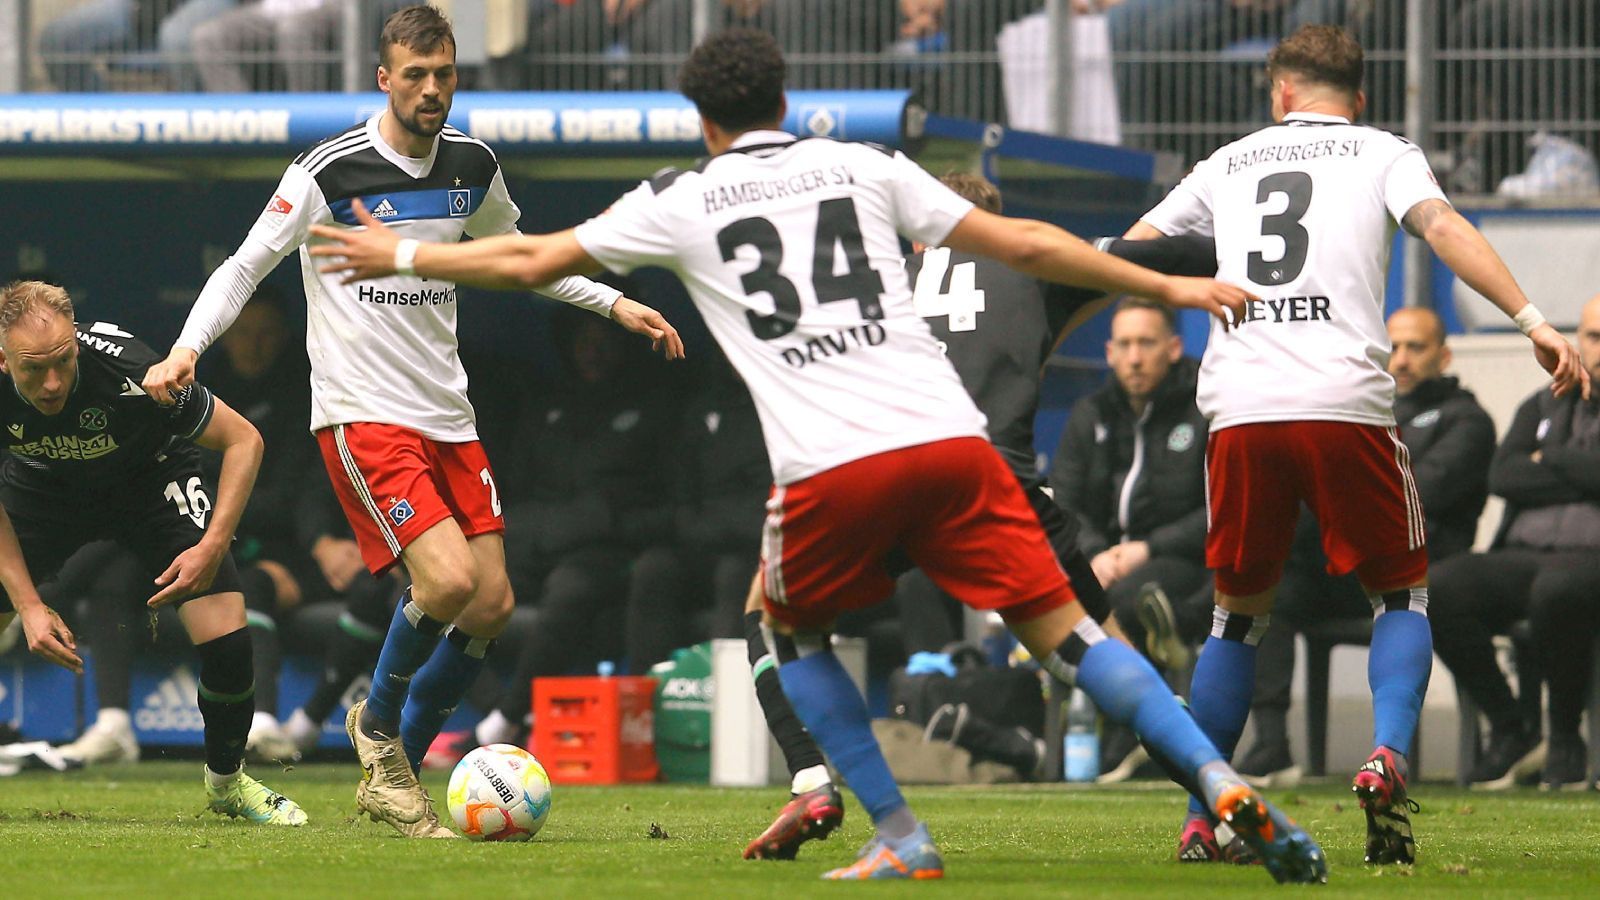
(1303, 214)
(383, 350)
(791, 250)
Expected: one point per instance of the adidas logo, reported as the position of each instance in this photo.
(171, 706)
(384, 210)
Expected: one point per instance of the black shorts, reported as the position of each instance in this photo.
(155, 518)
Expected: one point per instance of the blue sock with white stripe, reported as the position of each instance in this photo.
(1224, 681)
(825, 698)
(1398, 666)
(410, 641)
(437, 690)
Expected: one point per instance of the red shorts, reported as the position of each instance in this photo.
(1355, 478)
(394, 484)
(953, 506)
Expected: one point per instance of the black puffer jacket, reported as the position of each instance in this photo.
(1105, 444)
(1451, 440)
(1565, 473)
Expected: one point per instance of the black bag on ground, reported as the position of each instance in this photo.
(994, 714)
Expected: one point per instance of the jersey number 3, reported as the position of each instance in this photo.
(837, 228)
(1296, 186)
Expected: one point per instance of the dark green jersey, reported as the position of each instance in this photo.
(110, 431)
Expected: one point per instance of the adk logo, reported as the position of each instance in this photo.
(171, 706)
(1181, 438)
(92, 419)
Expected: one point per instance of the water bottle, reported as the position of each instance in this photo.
(1081, 746)
(996, 642)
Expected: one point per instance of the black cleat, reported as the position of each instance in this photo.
(809, 816)
(1381, 790)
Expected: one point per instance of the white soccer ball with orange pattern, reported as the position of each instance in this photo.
(499, 793)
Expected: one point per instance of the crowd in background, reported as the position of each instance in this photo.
(1184, 69)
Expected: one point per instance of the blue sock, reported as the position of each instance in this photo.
(1129, 691)
(1224, 681)
(1398, 666)
(437, 690)
(410, 641)
(825, 698)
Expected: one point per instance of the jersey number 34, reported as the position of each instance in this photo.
(838, 229)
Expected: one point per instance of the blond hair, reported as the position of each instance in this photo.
(20, 298)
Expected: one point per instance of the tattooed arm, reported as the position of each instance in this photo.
(1469, 255)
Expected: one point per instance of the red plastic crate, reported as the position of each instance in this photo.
(595, 730)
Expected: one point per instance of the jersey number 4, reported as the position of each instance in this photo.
(1296, 186)
(837, 228)
(961, 303)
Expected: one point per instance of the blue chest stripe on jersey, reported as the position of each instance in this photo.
(405, 206)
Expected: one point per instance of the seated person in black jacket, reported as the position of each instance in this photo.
(1131, 465)
(1544, 566)
(582, 498)
(721, 479)
(1451, 439)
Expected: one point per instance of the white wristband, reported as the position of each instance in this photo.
(1528, 318)
(405, 256)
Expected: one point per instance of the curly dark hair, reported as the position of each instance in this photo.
(735, 79)
(1324, 54)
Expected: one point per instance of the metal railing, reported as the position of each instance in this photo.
(1471, 80)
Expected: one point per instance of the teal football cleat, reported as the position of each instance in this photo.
(243, 797)
(918, 859)
(1288, 852)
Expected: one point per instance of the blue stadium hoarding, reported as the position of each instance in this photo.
(614, 124)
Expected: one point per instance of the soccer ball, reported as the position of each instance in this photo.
(499, 793)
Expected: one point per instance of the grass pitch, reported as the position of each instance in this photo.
(140, 831)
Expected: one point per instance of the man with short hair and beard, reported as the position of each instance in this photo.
(389, 396)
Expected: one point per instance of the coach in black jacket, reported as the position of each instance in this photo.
(1545, 566)
(1131, 465)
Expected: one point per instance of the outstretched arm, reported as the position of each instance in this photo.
(508, 261)
(1464, 249)
(1045, 251)
(225, 293)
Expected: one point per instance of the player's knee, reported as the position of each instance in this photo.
(489, 611)
(452, 588)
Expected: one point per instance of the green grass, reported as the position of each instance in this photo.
(139, 831)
